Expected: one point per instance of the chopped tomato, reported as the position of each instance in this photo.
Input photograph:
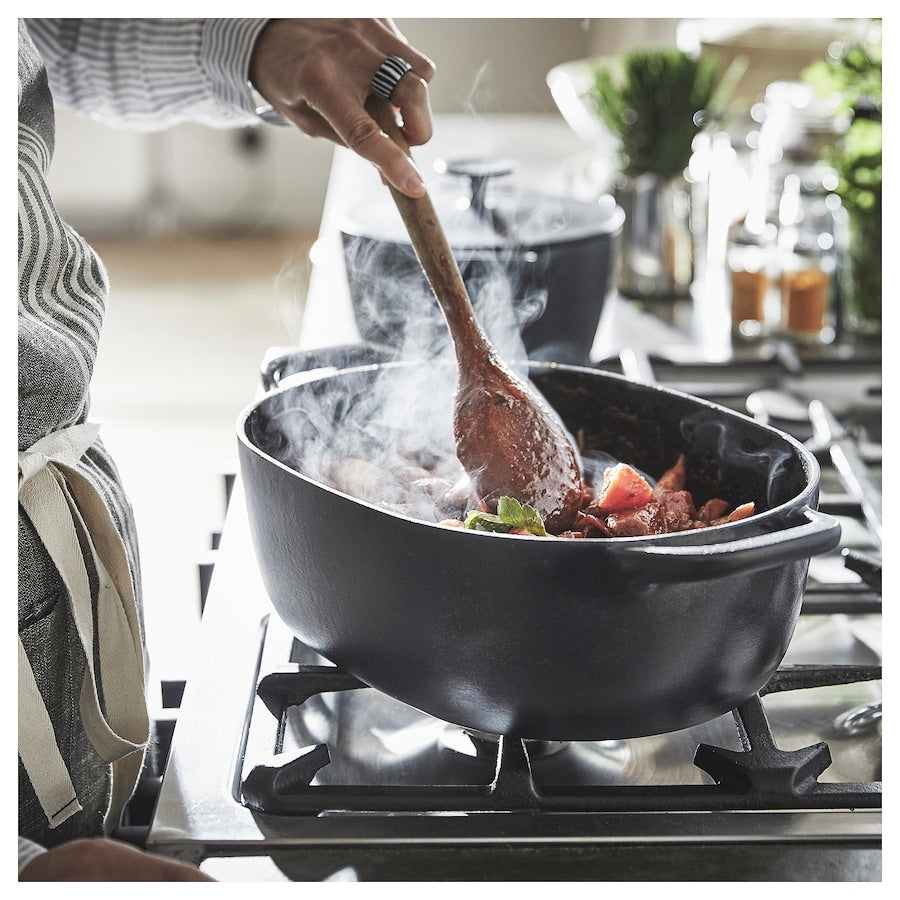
(623, 488)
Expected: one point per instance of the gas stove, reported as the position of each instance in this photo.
(284, 767)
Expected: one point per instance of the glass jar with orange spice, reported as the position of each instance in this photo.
(750, 262)
(807, 289)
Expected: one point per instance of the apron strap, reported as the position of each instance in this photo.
(74, 524)
(38, 750)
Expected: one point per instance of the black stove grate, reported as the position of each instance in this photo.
(760, 776)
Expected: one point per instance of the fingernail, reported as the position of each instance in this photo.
(414, 186)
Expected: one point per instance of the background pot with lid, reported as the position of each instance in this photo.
(536, 266)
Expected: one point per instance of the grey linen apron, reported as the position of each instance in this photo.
(83, 721)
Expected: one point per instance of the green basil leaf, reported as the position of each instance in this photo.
(520, 515)
(510, 514)
(482, 521)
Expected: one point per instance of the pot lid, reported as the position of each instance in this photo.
(478, 211)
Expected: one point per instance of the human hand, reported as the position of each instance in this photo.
(102, 859)
(317, 72)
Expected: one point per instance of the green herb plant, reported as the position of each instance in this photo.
(855, 77)
(656, 105)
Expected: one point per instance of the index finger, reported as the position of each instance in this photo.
(369, 141)
(360, 132)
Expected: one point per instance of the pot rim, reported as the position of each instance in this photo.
(607, 226)
(470, 251)
(724, 533)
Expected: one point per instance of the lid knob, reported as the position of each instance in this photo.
(479, 170)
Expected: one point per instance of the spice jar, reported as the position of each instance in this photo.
(798, 126)
(749, 259)
(807, 289)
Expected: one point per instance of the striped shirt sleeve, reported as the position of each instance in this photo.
(28, 850)
(151, 73)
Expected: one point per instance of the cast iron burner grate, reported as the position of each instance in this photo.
(760, 776)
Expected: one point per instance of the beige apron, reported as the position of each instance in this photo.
(73, 522)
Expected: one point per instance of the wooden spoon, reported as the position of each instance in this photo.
(508, 439)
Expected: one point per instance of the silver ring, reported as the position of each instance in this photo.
(388, 75)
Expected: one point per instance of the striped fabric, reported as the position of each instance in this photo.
(144, 74)
(28, 850)
(151, 73)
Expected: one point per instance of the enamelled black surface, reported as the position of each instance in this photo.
(547, 638)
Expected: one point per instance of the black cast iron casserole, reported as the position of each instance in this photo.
(546, 638)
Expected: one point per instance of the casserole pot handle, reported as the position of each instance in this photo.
(281, 366)
(817, 534)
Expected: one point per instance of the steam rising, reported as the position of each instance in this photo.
(745, 465)
(389, 440)
(386, 436)
(395, 306)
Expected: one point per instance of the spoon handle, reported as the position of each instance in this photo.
(431, 245)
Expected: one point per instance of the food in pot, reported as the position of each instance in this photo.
(391, 448)
(624, 505)
(618, 499)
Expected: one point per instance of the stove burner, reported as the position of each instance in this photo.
(859, 720)
(485, 745)
(759, 776)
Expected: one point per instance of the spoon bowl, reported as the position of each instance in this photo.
(508, 438)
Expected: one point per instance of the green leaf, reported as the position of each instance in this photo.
(482, 521)
(854, 80)
(520, 515)
(863, 139)
(510, 514)
(656, 102)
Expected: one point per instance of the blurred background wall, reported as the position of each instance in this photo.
(194, 178)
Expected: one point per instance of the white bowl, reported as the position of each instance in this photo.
(569, 84)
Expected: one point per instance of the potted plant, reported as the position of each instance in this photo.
(854, 75)
(655, 101)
